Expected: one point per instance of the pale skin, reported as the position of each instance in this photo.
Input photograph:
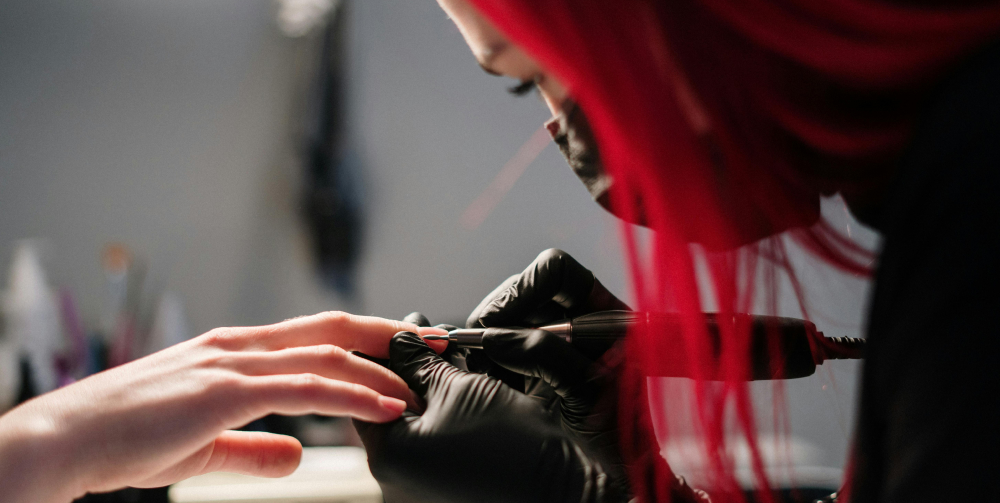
(498, 56)
(168, 416)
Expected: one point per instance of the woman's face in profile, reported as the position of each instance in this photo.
(749, 222)
(498, 56)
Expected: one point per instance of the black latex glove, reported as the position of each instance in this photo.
(564, 378)
(575, 383)
(418, 319)
(554, 287)
(477, 441)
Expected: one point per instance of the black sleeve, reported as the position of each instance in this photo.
(929, 417)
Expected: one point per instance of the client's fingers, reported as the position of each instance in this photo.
(328, 361)
(314, 394)
(437, 346)
(421, 321)
(367, 334)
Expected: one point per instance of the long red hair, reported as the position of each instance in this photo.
(721, 122)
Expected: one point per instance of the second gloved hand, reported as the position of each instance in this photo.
(554, 287)
(572, 382)
(477, 440)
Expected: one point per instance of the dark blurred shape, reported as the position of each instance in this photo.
(28, 390)
(274, 423)
(331, 194)
(128, 495)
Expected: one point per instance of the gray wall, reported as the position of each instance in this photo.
(168, 126)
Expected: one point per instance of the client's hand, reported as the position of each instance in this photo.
(477, 441)
(166, 417)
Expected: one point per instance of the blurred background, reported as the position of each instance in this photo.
(171, 167)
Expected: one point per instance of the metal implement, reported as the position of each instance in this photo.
(779, 348)
(473, 337)
(603, 326)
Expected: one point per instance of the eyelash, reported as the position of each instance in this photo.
(524, 88)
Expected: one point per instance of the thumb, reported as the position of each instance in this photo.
(540, 354)
(247, 452)
(423, 370)
(255, 453)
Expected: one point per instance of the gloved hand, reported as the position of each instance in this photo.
(477, 441)
(566, 379)
(575, 383)
(554, 287)
(574, 390)
(451, 353)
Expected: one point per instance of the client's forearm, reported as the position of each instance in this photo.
(34, 461)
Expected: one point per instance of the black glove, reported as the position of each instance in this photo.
(554, 287)
(477, 441)
(564, 378)
(575, 383)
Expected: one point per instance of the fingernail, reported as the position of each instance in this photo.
(438, 346)
(394, 405)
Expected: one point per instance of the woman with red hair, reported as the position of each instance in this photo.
(722, 123)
